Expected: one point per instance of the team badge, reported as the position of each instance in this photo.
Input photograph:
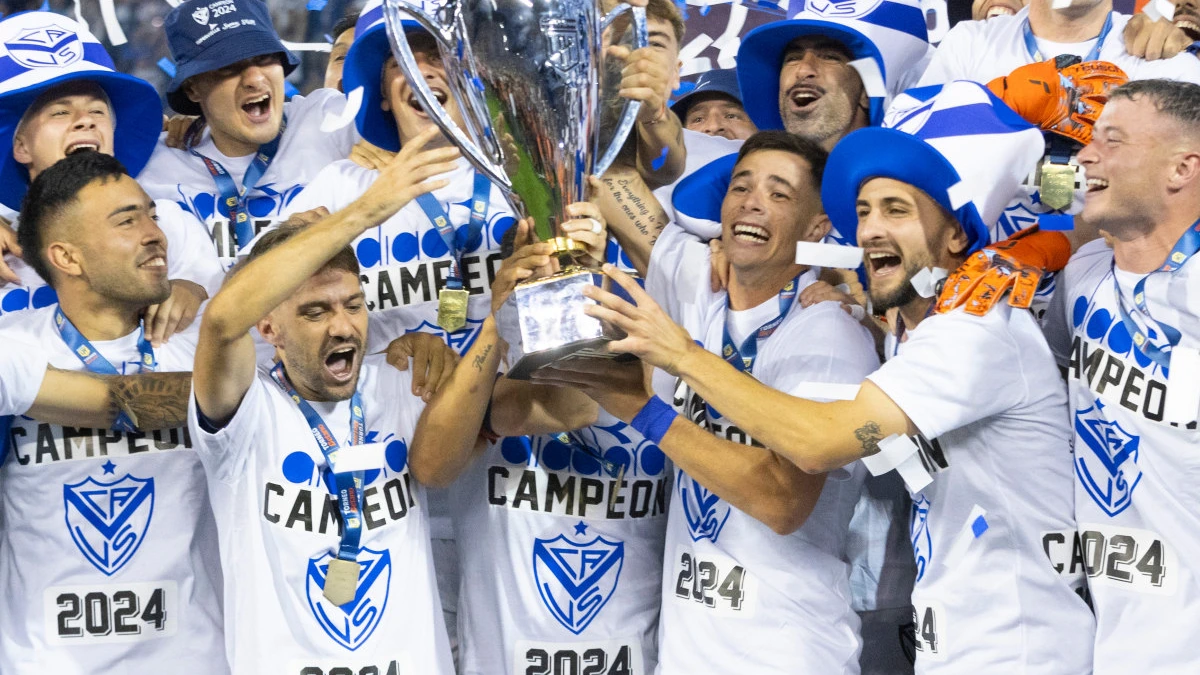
(918, 532)
(45, 47)
(574, 579)
(351, 624)
(842, 9)
(1107, 463)
(200, 15)
(108, 521)
(459, 340)
(703, 511)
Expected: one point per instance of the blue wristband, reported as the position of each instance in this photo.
(653, 420)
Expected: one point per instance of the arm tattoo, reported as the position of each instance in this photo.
(869, 435)
(152, 400)
(481, 358)
(649, 223)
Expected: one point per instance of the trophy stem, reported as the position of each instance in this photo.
(567, 251)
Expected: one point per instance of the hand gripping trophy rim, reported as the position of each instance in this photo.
(490, 167)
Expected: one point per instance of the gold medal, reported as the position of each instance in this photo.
(452, 308)
(1057, 185)
(341, 581)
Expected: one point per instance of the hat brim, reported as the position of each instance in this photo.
(364, 68)
(224, 51)
(760, 59)
(136, 110)
(887, 153)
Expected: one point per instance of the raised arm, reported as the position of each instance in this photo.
(633, 213)
(225, 360)
(151, 400)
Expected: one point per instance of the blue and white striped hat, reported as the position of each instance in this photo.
(887, 38)
(364, 68)
(41, 50)
(957, 142)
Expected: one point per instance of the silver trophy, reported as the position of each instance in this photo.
(526, 76)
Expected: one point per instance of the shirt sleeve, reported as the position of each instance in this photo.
(225, 452)
(22, 368)
(678, 262)
(956, 369)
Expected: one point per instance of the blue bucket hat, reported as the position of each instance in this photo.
(957, 143)
(708, 83)
(207, 35)
(886, 38)
(41, 50)
(364, 68)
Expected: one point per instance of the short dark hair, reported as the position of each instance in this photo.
(342, 260)
(347, 22)
(52, 191)
(1180, 100)
(800, 146)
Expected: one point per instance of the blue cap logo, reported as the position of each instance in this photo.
(45, 47)
(201, 15)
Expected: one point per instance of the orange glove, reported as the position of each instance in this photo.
(1017, 263)
(1061, 94)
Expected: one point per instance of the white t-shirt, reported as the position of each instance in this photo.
(404, 262)
(108, 557)
(991, 409)
(23, 364)
(736, 596)
(190, 256)
(182, 177)
(573, 552)
(1137, 498)
(279, 525)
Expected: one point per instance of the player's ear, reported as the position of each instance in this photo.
(816, 228)
(65, 258)
(269, 330)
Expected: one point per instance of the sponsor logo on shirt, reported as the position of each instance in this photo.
(577, 578)
(352, 624)
(108, 520)
(1106, 464)
(37, 443)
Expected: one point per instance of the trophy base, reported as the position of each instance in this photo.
(589, 349)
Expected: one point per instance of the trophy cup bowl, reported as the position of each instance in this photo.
(525, 75)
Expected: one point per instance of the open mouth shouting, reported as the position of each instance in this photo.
(258, 109)
(341, 362)
(438, 93)
(882, 263)
(804, 97)
(1188, 22)
(79, 146)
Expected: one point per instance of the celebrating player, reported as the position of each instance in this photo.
(714, 107)
(125, 575)
(1124, 326)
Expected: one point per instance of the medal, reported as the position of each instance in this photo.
(341, 581)
(452, 308)
(1056, 185)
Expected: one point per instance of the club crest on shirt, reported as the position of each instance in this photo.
(108, 521)
(918, 533)
(351, 624)
(1106, 464)
(704, 512)
(45, 47)
(841, 9)
(460, 340)
(576, 579)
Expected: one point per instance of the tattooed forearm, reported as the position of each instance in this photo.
(869, 435)
(152, 400)
(481, 357)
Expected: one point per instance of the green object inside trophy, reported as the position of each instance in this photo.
(533, 190)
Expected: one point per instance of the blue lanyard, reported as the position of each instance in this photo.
(441, 221)
(1185, 248)
(743, 358)
(349, 484)
(232, 201)
(1036, 54)
(94, 361)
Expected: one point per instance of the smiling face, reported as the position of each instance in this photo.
(986, 9)
(109, 239)
(821, 97)
(320, 333)
(1187, 17)
(242, 103)
(70, 117)
(902, 231)
(401, 100)
(770, 205)
(719, 115)
(1128, 165)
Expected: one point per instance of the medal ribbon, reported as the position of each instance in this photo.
(349, 484)
(1036, 54)
(441, 222)
(94, 361)
(1184, 249)
(233, 201)
(743, 358)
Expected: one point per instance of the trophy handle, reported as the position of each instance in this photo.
(629, 113)
(408, 65)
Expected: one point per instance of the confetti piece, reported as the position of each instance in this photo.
(167, 66)
(662, 159)
(317, 5)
